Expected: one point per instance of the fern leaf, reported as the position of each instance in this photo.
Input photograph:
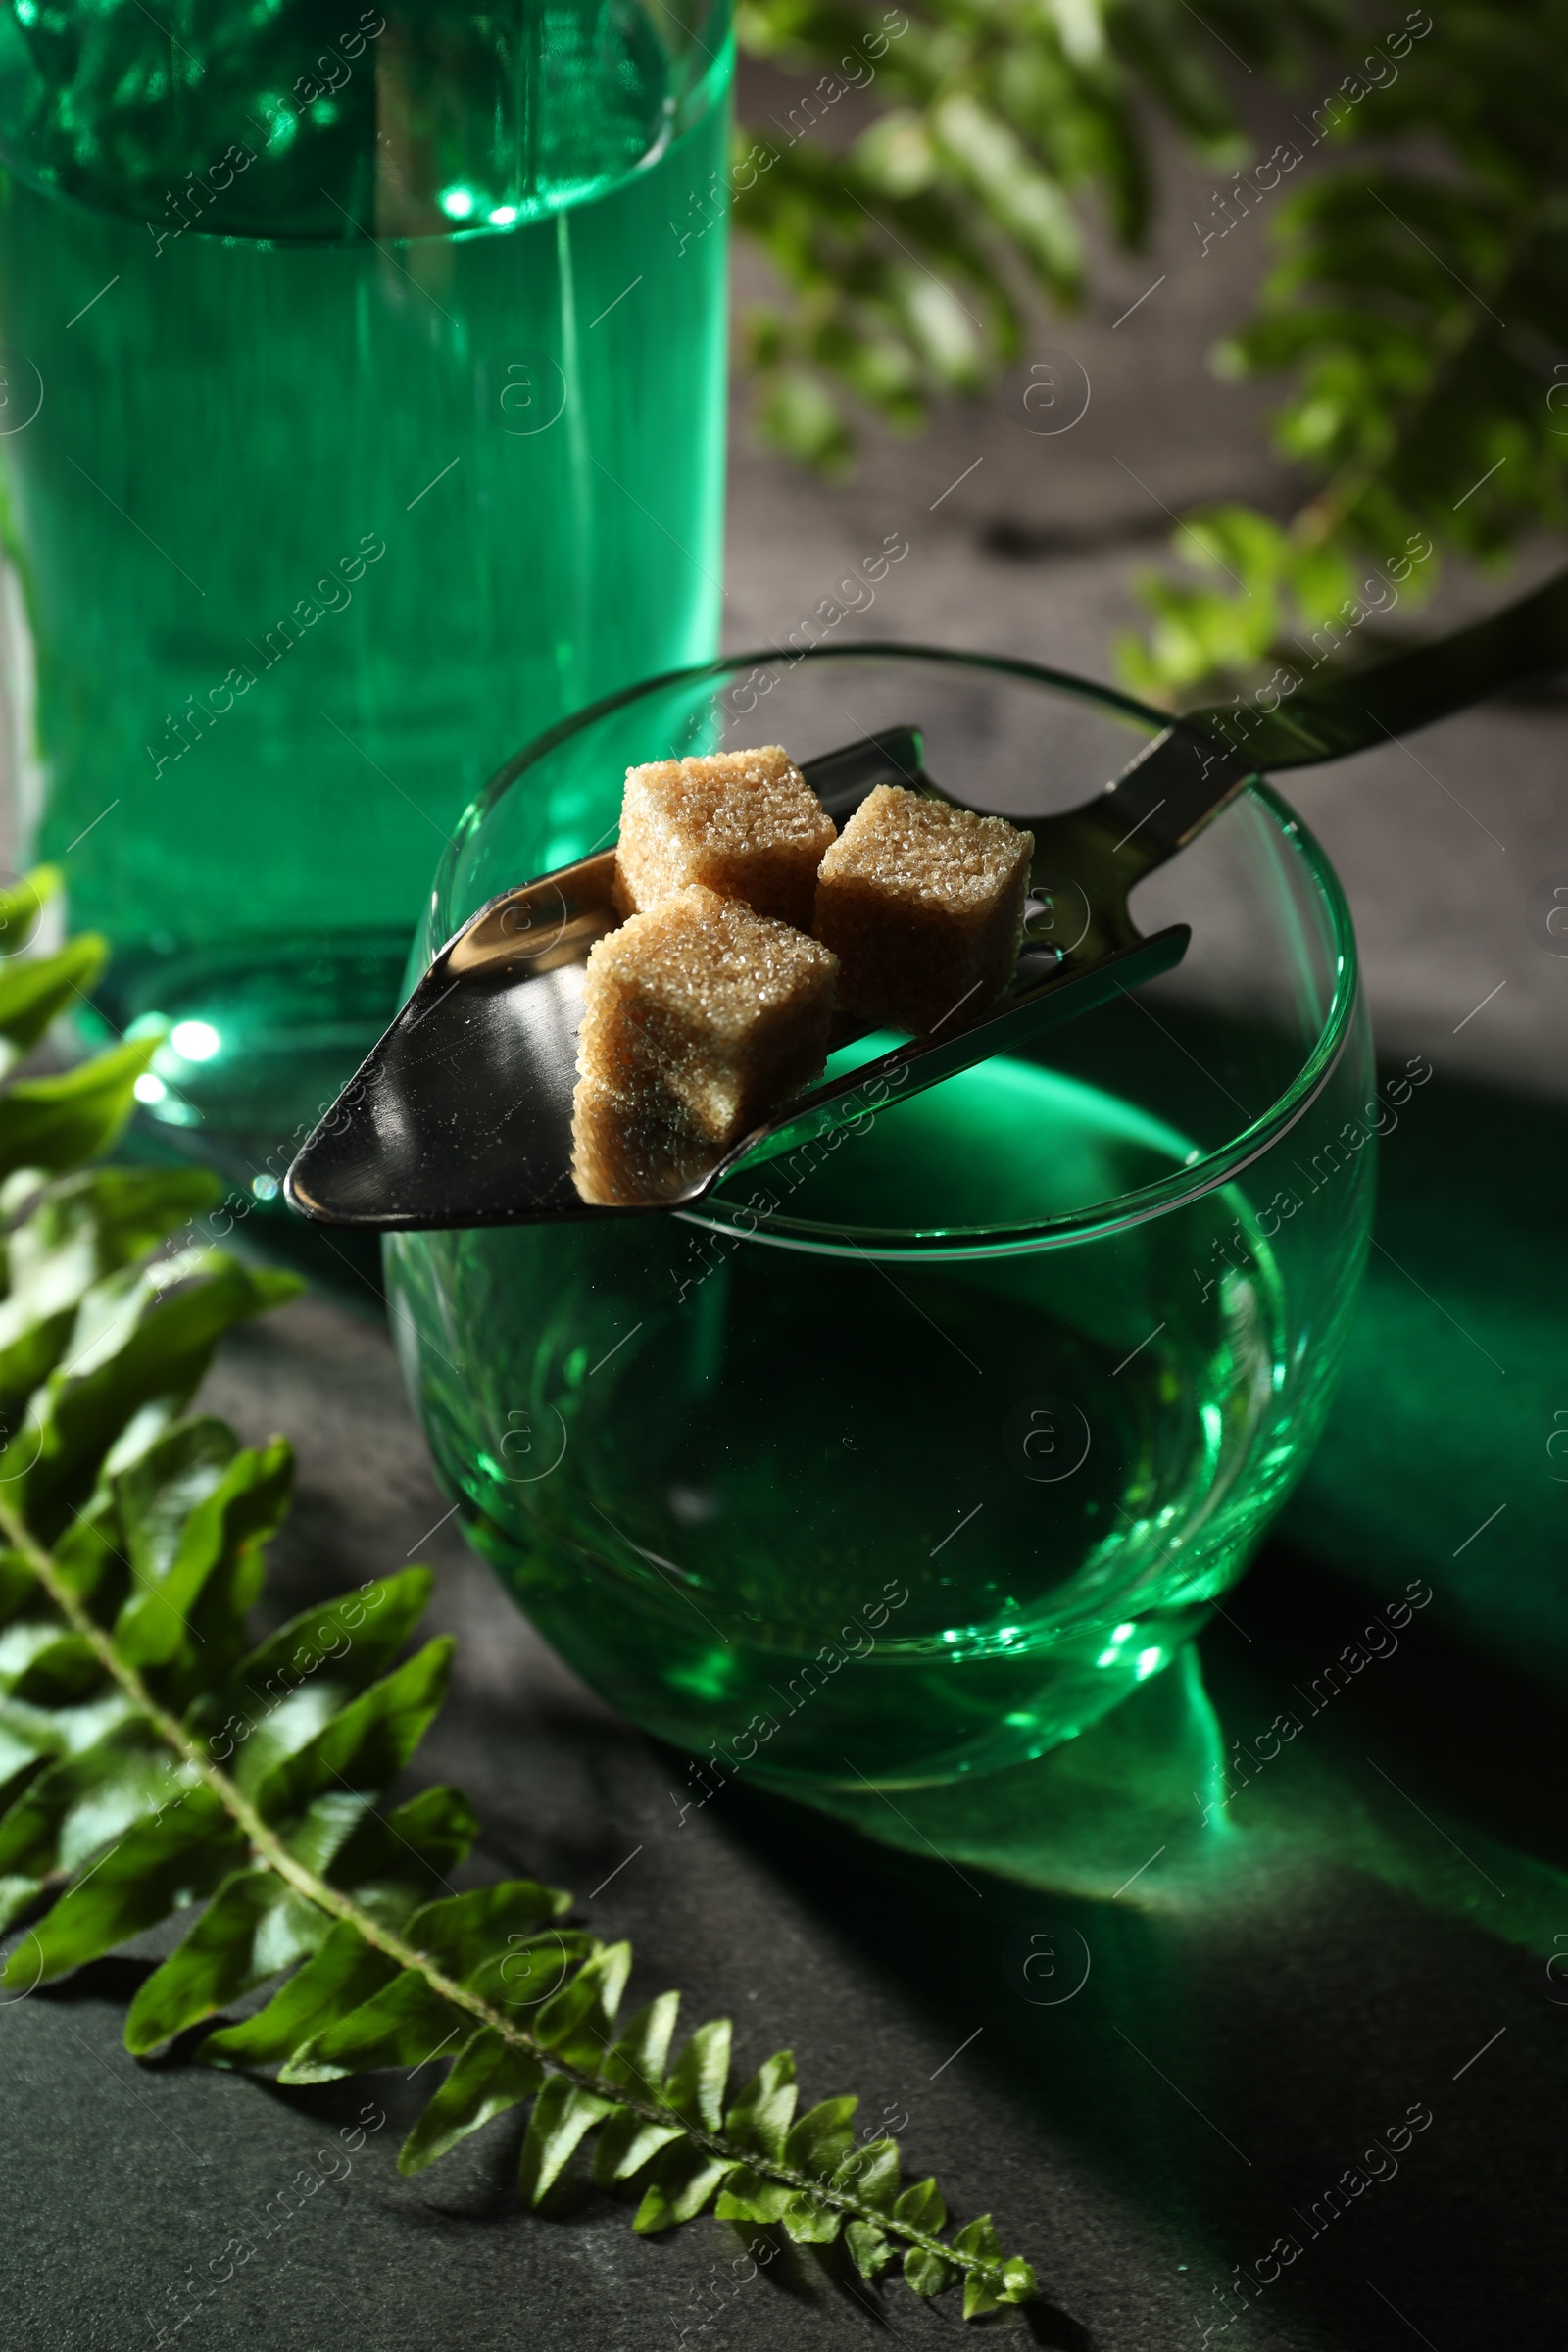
(35, 989)
(283, 1691)
(872, 2172)
(254, 1926)
(913, 261)
(627, 2143)
(155, 1868)
(151, 1762)
(343, 1974)
(193, 1512)
(923, 2205)
(811, 2220)
(760, 2117)
(870, 2250)
(56, 1123)
(749, 2196)
(925, 2273)
(820, 2141)
(405, 2024)
(368, 1743)
(684, 2177)
(636, 2061)
(486, 2077)
(562, 2113)
(21, 907)
(696, 2087)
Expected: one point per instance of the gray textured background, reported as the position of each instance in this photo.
(1245, 2028)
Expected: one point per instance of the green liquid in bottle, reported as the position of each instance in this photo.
(410, 443)
(918, 1515)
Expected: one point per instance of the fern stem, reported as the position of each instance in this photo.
(270, 1850)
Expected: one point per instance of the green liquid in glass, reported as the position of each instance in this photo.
(1007, 1482)
(311, 534)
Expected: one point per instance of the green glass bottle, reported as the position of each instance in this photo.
(360, 415)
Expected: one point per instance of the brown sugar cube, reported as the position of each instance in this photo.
(633, 1147)
(746, 823)
(698, 1017)
(923, 906)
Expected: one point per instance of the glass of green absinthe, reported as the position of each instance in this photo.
(909, 1455)
(361, 383)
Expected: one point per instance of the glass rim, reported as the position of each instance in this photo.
(1208, 1173)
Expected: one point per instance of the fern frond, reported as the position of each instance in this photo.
(153, 1760)
(1415, 311)
(914, 255)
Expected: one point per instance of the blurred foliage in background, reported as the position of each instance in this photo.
(1415, 311)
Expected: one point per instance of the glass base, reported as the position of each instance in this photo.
(260, 1036)
(847, 1717)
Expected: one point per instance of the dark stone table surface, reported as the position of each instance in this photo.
(1242, 2009)
(1248, 2010)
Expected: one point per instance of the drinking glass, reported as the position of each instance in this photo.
(362, 377)
(908, 1455)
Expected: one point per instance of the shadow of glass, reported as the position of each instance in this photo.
(1447, 1453)
(1235, 1966)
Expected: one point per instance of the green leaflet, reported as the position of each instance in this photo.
(151, 1761)
(575, 2023)
(925, 2205)
(344, 1973)
(408, 2024)
(256, 1925)
(636, 2060)
(78, 1233)
(532, 1967)
(748, 2196)
(21, 907)
(869, 2249)
(487, 2078)
(561, 2114)
(19, 1586)
(464, 1933)
(635, 2063)
(627, 2143)
(368, 1743)
(62, 1673)
(33, 992)
(84, 1801)
(811, 2221)
(190, 1515)
(926, 2273)
(59, 1122)
(88, 1557)
(1007, 2281)
(820, 2141)
(395, 1863)
(683, 2179)
(873, 2173)
(760, 2117)
(156, 1867)
(286, 1691)
(696, 2087)
(32, 1733)
(405, 2024)
(52, 1464)
(92, 1224)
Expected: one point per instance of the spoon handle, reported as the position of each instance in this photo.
(1186, 775)
(1354, 714)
